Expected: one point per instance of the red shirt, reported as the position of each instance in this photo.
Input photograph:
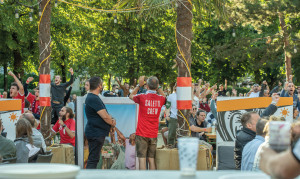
(22, 97)
(30, 98)
(64, 137)
(149, 110)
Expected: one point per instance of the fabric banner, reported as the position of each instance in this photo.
(230, 111)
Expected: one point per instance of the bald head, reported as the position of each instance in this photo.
(29, 117)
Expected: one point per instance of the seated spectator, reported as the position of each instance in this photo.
(70, 103)
(222, 91)
(248, 131)
(199, 126)
(204, 105)
(113, 93)
(65, 126)
(254, 92)
(130, 152)
(281, 165)
(26, 151)
(251, 148)
(265, 143)
(119, 164)
(7, 147)
(37, 137)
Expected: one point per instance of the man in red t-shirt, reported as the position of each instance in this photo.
(65, 126)
(149, 110)
(17, 90)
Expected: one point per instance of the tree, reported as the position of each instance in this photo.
(269, 17)
(183, 31)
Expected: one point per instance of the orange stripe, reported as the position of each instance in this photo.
(45, 78)
(184, 81)
(11, 105)
(251, 103)
(184, 104)
(45, 101)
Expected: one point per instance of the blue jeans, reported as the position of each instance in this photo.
(95, 146)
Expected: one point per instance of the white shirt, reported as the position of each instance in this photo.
(254, 95)
(196, 102)
(173, 100)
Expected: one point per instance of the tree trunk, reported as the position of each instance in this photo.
(287, 55)
(184, 27)
(5, 76)
(44, 38)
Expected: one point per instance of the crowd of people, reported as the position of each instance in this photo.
(155, 104)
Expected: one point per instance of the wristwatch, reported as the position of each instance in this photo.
(64, 126)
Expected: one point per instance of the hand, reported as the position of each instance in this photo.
(141, 81)
(135, 80)
(275, 98)
(61, 122)
(265, 82)
(290, 78)
(234, 92)
(201, 134)
(279, 83)
(117, 79)
(71, 71)
(225, 81)
(215, 86)
(29, 79)
(113, 123)
(286, 84)
(11, 73)
(200, 81)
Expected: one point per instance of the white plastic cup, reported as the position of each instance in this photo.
(279, 135)
(188, 154)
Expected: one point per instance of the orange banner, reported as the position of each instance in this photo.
(10, 105)
(184, 104)
(45, 78)
(45, 101)
(251, 103)
(184, 81)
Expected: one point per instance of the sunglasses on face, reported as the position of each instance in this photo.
(195, 109)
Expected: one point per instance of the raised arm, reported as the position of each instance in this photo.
(226, 84)
(71, 80)
(121, 86)
(29, 79)
(272, 108)
(136, 89)
(120, 134)
(21, 88)
(67, 95)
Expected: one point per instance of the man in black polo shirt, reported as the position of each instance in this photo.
(198, 126)
(99, 122)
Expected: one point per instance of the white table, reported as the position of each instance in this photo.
(135, 174)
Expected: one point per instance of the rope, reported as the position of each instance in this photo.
(187, 65)
(44, 61)
(135, 9)
(46, 47)
(181, 128)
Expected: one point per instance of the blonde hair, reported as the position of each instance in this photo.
(271, 118)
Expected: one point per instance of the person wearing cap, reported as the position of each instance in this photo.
(254, 93)
(222, 90)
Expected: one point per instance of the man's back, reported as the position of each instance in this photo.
(242, 138)
(7, 148)
(149, 109)
(249, 152)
